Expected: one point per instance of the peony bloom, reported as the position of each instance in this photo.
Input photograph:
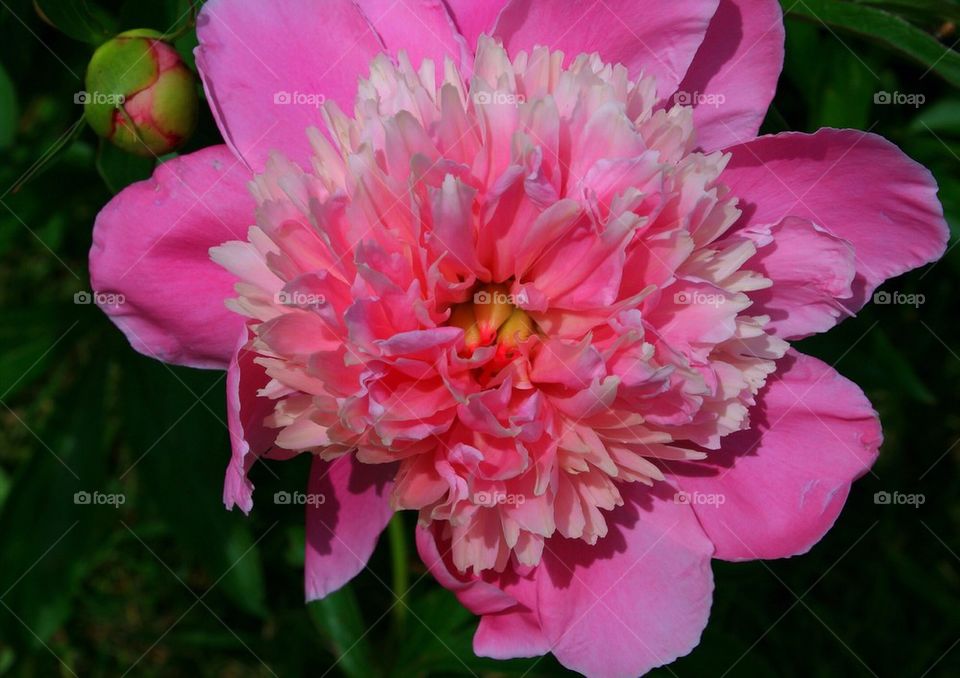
(523, 267)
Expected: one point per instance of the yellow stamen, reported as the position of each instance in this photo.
(492, 307)
(516, 329)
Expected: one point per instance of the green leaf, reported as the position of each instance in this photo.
(881, 25)
(719, 647)
(50, 541)
(119, 169)
(898, 371)
(946, 10)
(835, 89)
(29, 340)
(439, 641)
(175, 420)
(340, 623)
(164, 15)
(4, 486)
(846, 107)
(80, 19)
(9, 112)
(942, 117)
(244, 581)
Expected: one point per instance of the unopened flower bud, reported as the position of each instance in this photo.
(140, 95)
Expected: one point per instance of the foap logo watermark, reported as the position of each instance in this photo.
(899, 99)
(699, 498)
(695, 298)
(284, 498)
(98, 98)
(898, 299)
(499, 98)
(96, 498)
(85, 297)
(699, 99)
(299, 299)
(491, 499)
(484, 297)
(884, 498)
(296, 98)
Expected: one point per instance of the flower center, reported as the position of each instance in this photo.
(493, 318)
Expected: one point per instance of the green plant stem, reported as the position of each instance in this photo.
(400, 562)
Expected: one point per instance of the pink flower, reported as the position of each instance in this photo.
(537, 286)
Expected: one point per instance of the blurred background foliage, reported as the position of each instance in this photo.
(169, 583)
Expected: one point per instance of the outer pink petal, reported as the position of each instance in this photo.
(423, 28)
(638, 599)
(812, 272)
(252, 54)
(509, 627)
(478, 596)
(733, 77)
(858, 186)
(658, 37)
(151, 244)
(249, 438)
(509, 635)
(474, 17)
(779, 487)
(343, 526)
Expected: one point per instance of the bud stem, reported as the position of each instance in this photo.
(187, 26)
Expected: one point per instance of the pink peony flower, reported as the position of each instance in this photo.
(523, 267)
